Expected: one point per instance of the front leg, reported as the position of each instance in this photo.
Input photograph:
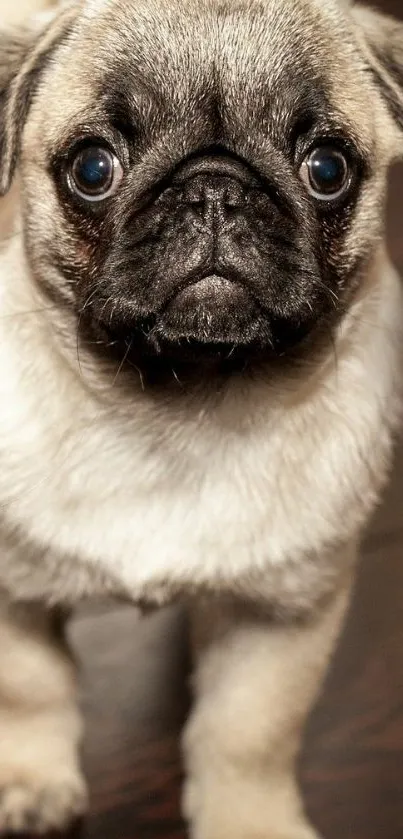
(255, 684)
(41, 785)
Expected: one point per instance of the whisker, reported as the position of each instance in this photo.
(139, 371)
(107, 301)
(176, 377)
(90, 299)
(231, 352)
(319, 284)
(122, 363)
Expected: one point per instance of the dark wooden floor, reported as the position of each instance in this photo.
(135, 699)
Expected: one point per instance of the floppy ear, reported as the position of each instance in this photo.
(24, 54)
(382, 38)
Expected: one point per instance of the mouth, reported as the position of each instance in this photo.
(213, 288)
(207, 320)
(213, 322)
(215, 308)
(210, 318)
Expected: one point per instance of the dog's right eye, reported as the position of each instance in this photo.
(95, 173)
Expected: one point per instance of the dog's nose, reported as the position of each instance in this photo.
(213, 197)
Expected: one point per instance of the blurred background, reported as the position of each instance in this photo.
(134, 694)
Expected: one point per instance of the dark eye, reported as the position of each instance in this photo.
(326, 173)
(95, 173)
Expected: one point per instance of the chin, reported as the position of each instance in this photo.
(205, 338)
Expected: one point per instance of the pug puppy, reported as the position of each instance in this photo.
(200, 342)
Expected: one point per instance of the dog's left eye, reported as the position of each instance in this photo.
(95, 173)
(326, 173)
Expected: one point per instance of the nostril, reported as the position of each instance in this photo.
(194, 196)
(234, 196)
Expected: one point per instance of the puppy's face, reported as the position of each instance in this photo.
(204, 180)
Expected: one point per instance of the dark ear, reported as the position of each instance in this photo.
(382, 39)
(24, 54)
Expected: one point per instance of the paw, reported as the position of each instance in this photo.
(37, 807)
(246, 812)
(249, 832)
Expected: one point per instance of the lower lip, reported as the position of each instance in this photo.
(212, 287)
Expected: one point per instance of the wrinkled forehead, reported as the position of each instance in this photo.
(258, 43)
(255, 59)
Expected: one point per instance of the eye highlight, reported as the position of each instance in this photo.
(95, 173)
(326, 173)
